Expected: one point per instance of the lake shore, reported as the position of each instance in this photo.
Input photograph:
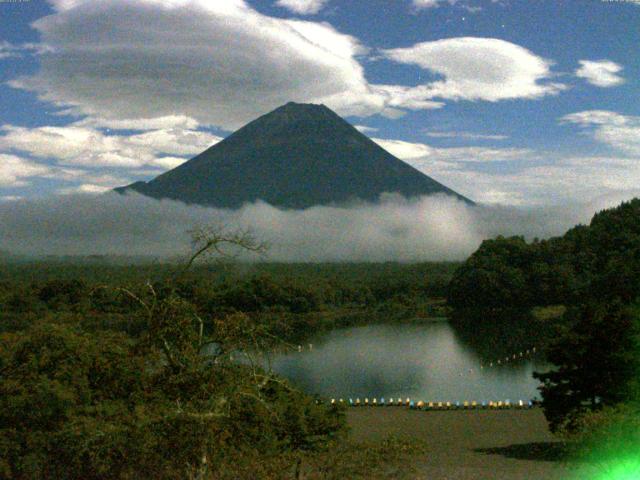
(469, 445)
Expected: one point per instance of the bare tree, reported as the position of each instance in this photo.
(221, 242)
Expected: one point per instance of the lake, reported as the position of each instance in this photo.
(427, 361)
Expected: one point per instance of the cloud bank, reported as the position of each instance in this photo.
(432, 228)
(90, 147)
(222, 63)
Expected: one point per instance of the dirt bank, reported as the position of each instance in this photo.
(469, 445)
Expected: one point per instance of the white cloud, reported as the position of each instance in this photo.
(595, 117)
(224, 64)
(158, 123)
(567, 180)
(534, 178)
(85, 188)
(621, 132)
(412, 98)
(220, 63)
(420, 4)
(478, 69)
(405, 150)
(428, 4)
(365, 129)
(8, 50)
(601, 73)
(466, 135)
(303, 7)
(15, 171)
(168, 163)
(411, 151)
(86, 146)
(174, 141)
(483, 154)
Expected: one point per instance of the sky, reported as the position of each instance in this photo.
(508, 102)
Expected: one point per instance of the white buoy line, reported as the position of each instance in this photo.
(509, 358)
(422, 405)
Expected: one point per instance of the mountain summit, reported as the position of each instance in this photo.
(296, 156)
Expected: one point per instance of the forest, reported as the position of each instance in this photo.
(591, 275)
(103, 375)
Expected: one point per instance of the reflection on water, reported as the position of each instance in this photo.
(427, 361)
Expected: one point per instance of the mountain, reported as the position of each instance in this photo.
(296, 156)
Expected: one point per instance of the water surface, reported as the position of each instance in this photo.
(425, 361)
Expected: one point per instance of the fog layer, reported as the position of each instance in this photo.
(395, 229)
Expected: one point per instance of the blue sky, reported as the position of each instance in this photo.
(509, 101)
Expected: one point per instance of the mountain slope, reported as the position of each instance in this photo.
(297, 156)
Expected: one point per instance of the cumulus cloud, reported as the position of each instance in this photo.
(427, 228)
(478, 69)
(303, 7)
(601, 73)
(90, 147)
(621, 132)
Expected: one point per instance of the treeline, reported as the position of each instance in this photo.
(600, 261)
(297, 300)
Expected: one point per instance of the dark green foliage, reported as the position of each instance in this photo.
(261, 293)
(62, 292)
(53, 380)
(596, 363)
(75, 405)
(494, 276)
(600, 261)
(609, 440)
(296, 299)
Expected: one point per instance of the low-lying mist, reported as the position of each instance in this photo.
(432, 228)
